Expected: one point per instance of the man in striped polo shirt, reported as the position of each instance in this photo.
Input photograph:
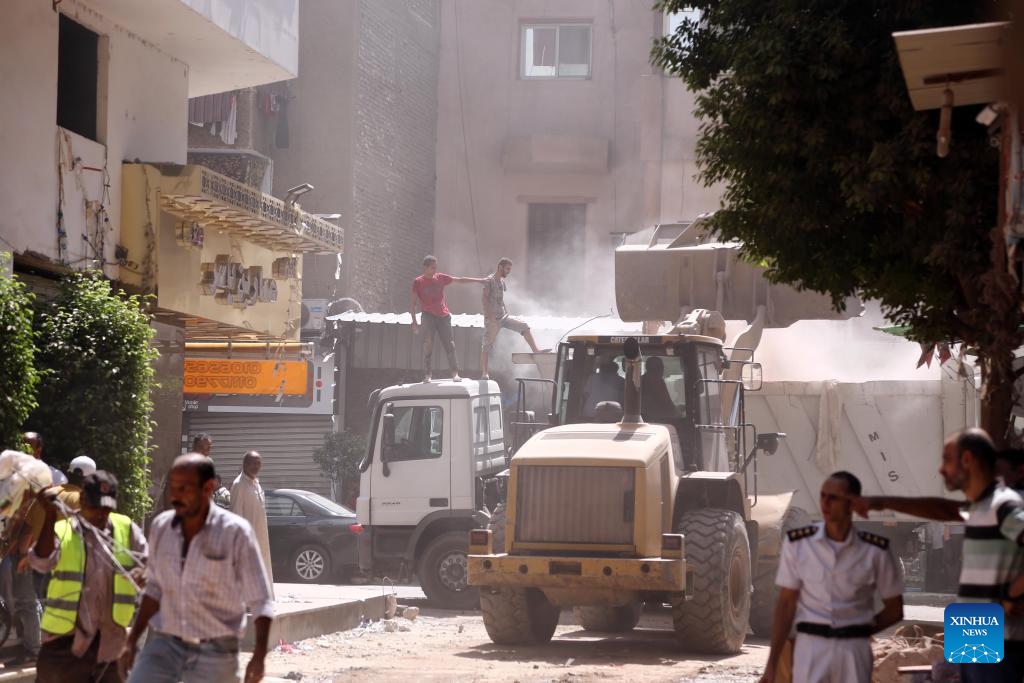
(992, 553)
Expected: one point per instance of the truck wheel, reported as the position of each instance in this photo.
(443, 572)
(766, 593)
(715, 619)
(518, 616)
(497, 527)
(609, 619)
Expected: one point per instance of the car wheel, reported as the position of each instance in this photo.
(311, 564)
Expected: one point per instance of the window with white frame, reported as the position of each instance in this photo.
(556, 50)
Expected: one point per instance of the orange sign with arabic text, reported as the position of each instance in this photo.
(243, 376)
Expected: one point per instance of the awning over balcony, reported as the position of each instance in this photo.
(195, 193)
(966, 59)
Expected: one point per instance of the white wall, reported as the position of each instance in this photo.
(143, 115)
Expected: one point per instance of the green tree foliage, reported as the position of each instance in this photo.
(18, 375)
(94, 395)
(340, 455)
(832, 179)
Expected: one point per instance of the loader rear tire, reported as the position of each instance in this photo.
(714, 620)
(609, 619)
(518, 616)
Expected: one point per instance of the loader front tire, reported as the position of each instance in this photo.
(714, 620)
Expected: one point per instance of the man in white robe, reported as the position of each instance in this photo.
(248, 502)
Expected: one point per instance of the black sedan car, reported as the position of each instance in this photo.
(312, 538)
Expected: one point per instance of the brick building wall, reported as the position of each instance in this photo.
(393, 159)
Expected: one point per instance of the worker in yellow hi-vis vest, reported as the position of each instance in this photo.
(96, 558)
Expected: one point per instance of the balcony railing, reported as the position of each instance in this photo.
(213, 200)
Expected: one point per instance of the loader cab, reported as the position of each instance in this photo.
(680, 388)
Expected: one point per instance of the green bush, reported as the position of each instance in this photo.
(340, 455)
(95, 359)
(18, 375)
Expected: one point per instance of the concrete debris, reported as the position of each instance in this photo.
(909, 645)
(411, 613)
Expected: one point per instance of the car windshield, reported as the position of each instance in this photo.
(328, 505)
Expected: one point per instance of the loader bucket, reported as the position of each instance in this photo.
(666, 271)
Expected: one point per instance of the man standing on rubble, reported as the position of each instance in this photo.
(428, 292)
(992, 554)
(829, 575)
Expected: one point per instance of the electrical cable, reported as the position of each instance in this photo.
(465, 138)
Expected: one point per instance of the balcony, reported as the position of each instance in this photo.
(195, 193)
(217, 253)
(228, 44)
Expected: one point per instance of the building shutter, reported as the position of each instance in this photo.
(285, 441)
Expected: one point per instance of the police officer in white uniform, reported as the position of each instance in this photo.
(828, 577)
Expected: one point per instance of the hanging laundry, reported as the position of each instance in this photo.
(229, 129)
(210, 108)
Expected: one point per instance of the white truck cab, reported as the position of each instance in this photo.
(433, 453)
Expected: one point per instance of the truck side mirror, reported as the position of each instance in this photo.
(769, 441)
(752, 376)
(387, 435)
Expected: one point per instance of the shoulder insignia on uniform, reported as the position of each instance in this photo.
(874, 539)
(802, 532)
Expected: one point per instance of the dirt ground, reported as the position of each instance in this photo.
(442, 645)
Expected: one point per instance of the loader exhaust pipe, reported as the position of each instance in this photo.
(631, 395)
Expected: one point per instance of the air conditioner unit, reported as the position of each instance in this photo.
(313, 312)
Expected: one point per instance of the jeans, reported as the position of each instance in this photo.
(442, 327)
(1010, 670)
(166, 659)
(23, 603)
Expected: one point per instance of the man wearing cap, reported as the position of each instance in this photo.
(91, 597)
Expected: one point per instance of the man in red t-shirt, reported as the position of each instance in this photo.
(428, 291)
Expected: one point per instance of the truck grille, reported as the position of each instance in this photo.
(567, 504)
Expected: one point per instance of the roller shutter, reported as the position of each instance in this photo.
(285, 441)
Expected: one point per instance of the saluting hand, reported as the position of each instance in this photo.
(863, 504)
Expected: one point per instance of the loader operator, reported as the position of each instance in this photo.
(828, 576)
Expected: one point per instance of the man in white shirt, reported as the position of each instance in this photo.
(204, 573)
(828, 577)
(249, 503)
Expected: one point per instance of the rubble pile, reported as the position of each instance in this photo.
(909, 645)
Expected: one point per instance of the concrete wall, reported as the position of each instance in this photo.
(363, 122)
(644, 119)
(143, 96)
